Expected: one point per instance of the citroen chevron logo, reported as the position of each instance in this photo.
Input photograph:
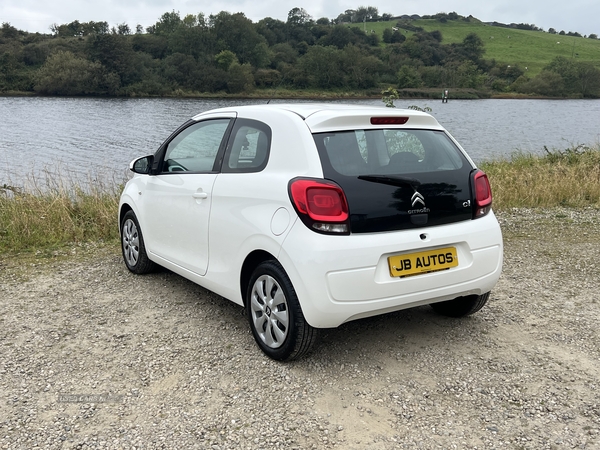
(417, 198)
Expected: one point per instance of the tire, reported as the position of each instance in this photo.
(275, 315)
(461, 306)
(132, 246)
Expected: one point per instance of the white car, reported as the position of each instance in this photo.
(313, 215)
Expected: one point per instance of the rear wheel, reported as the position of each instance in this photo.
(275, 316)
(461, 306)
(132, 245)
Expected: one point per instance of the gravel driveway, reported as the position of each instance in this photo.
(95, 357)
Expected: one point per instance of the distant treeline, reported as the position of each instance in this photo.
(228, 53)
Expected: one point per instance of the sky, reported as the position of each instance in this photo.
(580, 16)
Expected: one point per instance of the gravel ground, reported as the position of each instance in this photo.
(95, 357)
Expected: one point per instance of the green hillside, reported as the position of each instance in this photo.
(531, 49)
(229, 54)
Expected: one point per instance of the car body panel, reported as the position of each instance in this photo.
(347, 278)
(336, 278)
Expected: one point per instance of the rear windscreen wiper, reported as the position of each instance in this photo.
(393, 180)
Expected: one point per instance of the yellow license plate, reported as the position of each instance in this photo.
(423, 262)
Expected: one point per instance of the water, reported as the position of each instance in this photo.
(98, 138)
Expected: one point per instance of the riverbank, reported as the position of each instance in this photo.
(47, 219)
(297, 94)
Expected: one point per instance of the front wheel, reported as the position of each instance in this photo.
(275, 316)
(461, 306)
(132, 245)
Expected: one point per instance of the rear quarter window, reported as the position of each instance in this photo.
(248, 147)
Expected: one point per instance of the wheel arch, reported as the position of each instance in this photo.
(250, 263)
(125, 208)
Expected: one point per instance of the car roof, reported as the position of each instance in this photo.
(335, 116)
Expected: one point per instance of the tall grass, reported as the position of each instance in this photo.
(57, 214)
(569, 178)
(64, 212)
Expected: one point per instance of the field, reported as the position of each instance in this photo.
(528, 49)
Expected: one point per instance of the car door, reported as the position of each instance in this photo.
(178, 199)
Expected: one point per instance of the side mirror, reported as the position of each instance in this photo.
(142, 165)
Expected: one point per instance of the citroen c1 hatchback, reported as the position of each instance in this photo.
(314, 215)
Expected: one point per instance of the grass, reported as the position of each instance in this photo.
(48, 221)
(527, 49)
(567, 178)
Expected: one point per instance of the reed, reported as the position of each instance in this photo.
(57, 212)
(568, 178)
(62, 212)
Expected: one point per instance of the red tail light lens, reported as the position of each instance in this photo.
(483, 194)
(321, 205)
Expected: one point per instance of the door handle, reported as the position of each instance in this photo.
(200, 195)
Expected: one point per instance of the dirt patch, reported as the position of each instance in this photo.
(95, 357)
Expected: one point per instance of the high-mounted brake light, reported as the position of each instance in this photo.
(388, 120)
(321, 205)
(483, 194)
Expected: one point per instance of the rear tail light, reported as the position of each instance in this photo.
(321, 205)
(388, 120)
(482, 193)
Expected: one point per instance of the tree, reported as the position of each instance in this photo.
(408, 77)
(364, 14)
(588, 79)
(362, 69)
(63, 73)
(567, 69)
(387, 36)
(322, 67)
(167, 23)
(11, 77)
(283, 53)
(425, 47)
(298, 17)
(181, 69)
(339, 36)
(397, 37)
(545, 83)
(298, 27)
(198, 41)
(240, 78)
(8, 31)
(471, 48)
(273, 30)
(115, 53)
(226, 59)
(123, 29)
(235, 32)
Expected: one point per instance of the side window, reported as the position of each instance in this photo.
(195, 149)
(248, 148)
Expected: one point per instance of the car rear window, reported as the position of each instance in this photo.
(396, 179)
(389, 151)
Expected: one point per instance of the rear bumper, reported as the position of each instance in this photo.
(343, 278)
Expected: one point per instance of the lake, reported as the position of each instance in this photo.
(93, 137)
